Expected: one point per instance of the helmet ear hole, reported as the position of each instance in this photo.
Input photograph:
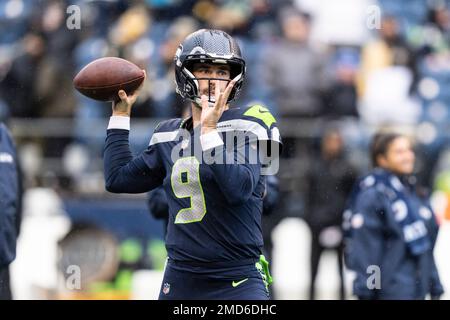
(235, 69)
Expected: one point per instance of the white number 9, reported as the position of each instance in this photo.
(185, 180)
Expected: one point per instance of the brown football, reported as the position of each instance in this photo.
(103, 78)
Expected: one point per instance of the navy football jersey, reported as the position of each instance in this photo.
(215, 207)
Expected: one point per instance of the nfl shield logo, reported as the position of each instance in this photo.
(166, 288)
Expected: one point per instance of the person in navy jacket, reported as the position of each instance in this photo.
(390, 227)
(10, 195)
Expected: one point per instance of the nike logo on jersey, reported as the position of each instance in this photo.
(262, 114)
(236, 283)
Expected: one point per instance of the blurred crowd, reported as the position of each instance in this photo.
(374, 62)
(332, 72)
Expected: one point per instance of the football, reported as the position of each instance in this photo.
(103, 78)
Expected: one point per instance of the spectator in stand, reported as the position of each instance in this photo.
(294, 70)
(22, 77)
(341, 99)
(165, 102)
(330, 181)
(390, 49)
(433, 37)
(388, 78)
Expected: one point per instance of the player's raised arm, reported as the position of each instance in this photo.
(237, 180)
(123, 172)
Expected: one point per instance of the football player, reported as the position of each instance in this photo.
(214, 193)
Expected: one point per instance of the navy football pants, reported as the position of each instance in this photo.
(182, 285)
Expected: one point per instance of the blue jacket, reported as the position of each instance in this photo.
(9, 198)
(376, 237)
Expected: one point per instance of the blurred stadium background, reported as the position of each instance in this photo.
(350, 65)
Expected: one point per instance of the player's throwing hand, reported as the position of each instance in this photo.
(123, 106)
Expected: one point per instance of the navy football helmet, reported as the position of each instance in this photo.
(207, 46)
